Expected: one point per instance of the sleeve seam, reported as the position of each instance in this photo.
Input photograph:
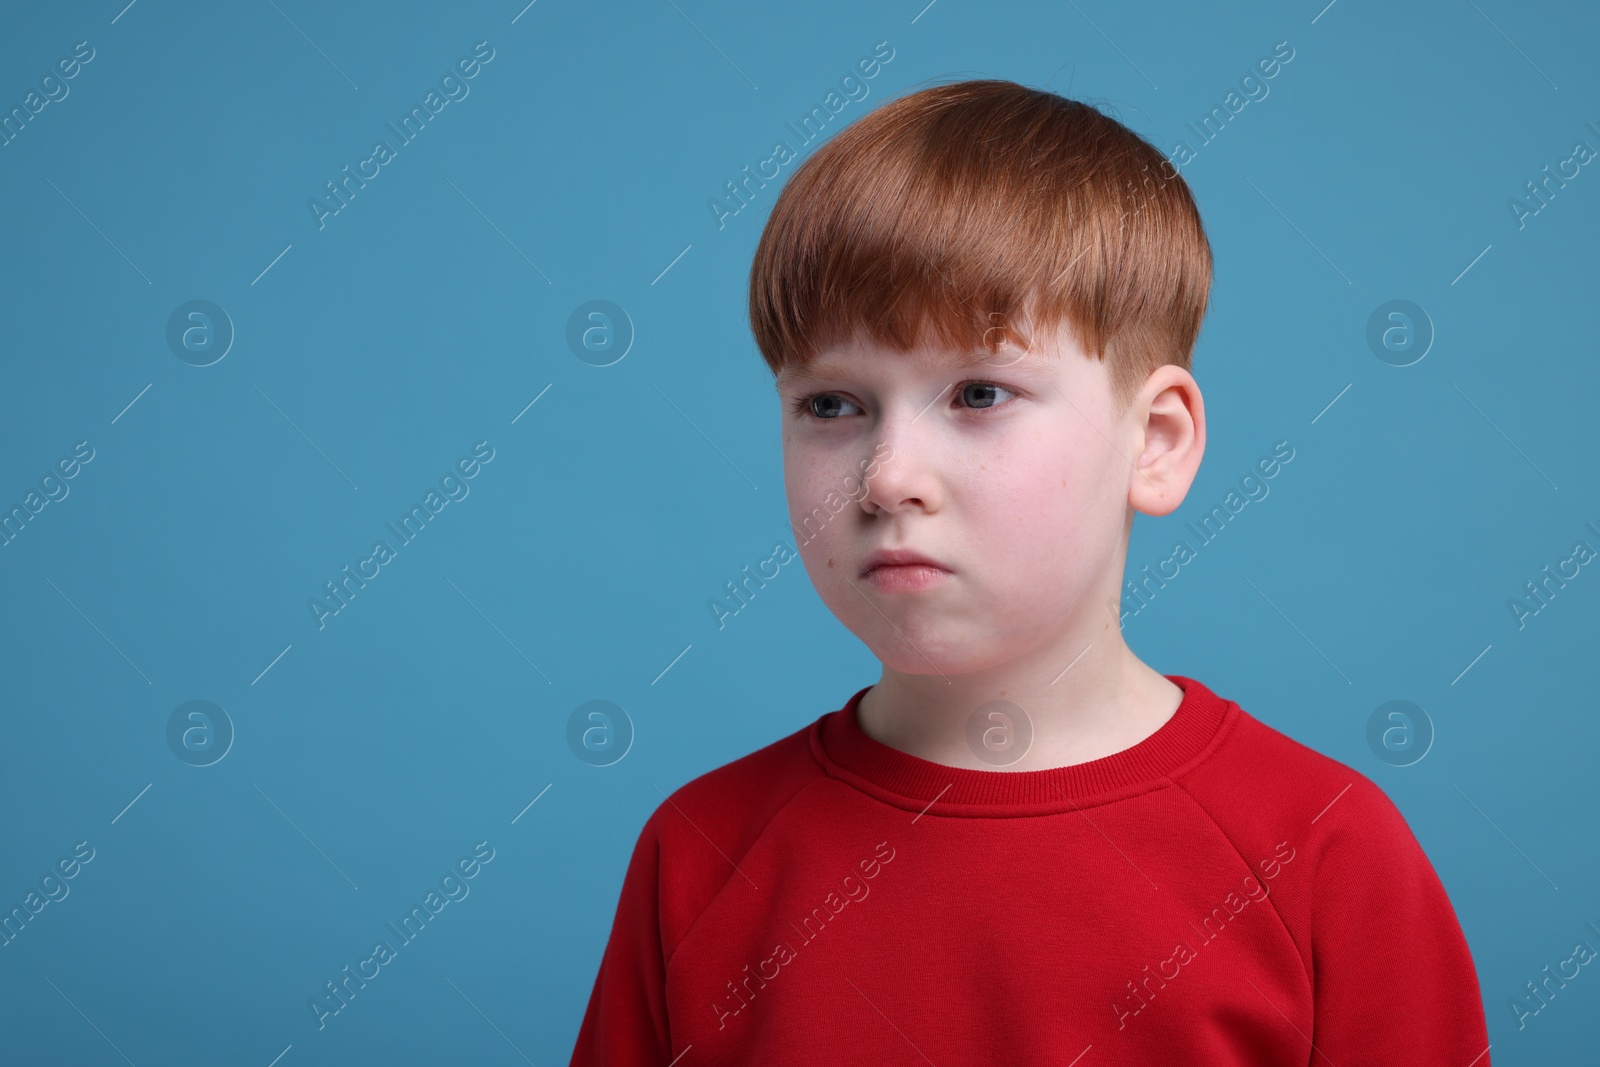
(1305, 966)
(734, 862)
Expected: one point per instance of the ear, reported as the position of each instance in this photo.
(1168, 427)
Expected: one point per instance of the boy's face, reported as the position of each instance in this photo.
(1013, 475)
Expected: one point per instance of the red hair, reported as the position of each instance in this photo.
(979, 204)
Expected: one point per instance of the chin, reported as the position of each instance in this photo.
(916, 653)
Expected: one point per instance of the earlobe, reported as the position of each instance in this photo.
(1172, 412)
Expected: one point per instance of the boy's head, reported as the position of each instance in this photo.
(979, 302)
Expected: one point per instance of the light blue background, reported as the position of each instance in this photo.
(433, 309)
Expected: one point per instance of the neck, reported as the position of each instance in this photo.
(1106, 701)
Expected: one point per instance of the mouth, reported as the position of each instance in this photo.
(903, 560)
(905, 577)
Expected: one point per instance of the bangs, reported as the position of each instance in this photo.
(972, 215)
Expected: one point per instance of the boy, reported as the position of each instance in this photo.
(1021, 845)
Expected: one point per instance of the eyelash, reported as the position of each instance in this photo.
(802, 405)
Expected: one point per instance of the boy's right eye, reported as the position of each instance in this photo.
(826, 410)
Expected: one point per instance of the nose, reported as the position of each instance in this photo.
(900, 472)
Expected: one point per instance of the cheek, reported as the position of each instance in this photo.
(816, 528)
(1055, 518)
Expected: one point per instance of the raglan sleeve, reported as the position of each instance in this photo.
(1393, 978)
(625, 1024)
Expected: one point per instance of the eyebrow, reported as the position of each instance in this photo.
(821, 369)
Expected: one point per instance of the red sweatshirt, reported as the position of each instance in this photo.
(1217, 894)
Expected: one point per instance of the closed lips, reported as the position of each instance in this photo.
(899, 558)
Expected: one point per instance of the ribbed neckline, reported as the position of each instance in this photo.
(845, 752)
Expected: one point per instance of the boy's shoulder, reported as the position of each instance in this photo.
(742, 795)
(1259, 784)
(698, 835)
(1359, 892)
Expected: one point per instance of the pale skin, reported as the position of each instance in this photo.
(1025, 493)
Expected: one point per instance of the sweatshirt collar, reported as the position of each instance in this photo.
(915, 784)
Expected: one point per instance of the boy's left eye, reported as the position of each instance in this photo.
(961, 390)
